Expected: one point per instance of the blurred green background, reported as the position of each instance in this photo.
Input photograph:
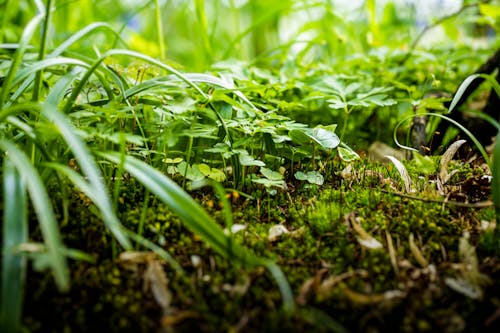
(196, 34)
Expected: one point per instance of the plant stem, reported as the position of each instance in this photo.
(188, 159)
(41, 53)
(144, 211)
(344, 126)
(159, 30)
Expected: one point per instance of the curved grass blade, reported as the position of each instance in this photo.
(91, 171)
(50, 62)
(196, 219)
(476, 142)
(461, 89)
(18, 56)
(43, 209)
(85, 32)
(132, 54)
(465, 84)
(15, 232)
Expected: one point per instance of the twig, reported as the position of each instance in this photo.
(481, 204)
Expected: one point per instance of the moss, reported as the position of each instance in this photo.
(338, 280)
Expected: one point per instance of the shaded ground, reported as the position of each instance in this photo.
(360, 255)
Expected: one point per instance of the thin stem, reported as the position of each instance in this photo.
(188, 159)
(41, 53)
(344, 126)
(144, 212)
(159, 29)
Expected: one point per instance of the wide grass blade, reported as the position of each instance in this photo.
(44, 212)
(15, 232)
(89, 168)
(196, 219)
(466, 83)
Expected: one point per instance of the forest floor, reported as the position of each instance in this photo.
(362, 253)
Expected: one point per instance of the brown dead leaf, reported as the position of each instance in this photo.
(155, 279)
(364, 238)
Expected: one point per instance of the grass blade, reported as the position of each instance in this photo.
(43, 209)
(91, 171)
(51, 62)
(88, 30)
(15, 232)
(197, 220)
(495, 186)
(466, 83)
(18, 56)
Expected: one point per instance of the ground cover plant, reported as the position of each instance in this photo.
(234, 166)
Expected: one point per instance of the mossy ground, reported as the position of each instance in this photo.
(338, 283)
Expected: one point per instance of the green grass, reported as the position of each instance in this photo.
(204, 92)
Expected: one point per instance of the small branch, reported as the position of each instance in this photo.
(435, 24)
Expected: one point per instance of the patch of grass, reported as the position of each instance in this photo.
(114, 148)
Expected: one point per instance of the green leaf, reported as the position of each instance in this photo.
(270, 182)
(313, 177)
(28, 32)
(324, 138)
(191, 172)
(346, 153)
(425, 164)
(211, 173)
(247, 160)
(336, 103)
(270, 174)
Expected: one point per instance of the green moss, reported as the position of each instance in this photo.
(215, 295)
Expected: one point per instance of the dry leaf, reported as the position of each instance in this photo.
(156, 280)
(471, 281)
(417, 253)
(402, 172)
(392, 252)
(234, 229)
(444, 176)
(276, 231)
(464, 287)
(364, 238)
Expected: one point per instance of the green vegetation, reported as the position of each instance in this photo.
(211, 166)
